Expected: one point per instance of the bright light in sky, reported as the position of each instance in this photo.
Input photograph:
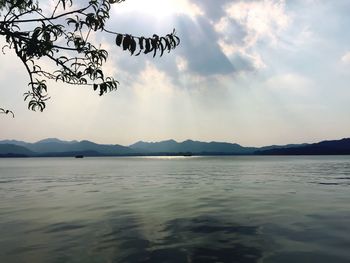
(160, 8)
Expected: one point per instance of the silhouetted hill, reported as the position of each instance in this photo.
(281, 146)
(163, 146)
(11, 150)
(322, 148)
(55, 147)
(195, 147)
(51, 147)
(14, 142)
(55, 140)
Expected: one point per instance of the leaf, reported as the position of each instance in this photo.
(119, 39)
(132, 46)
(126, 42)
(148, 46)
(141, 40)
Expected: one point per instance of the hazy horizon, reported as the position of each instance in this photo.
(254, 73)
(178, 141)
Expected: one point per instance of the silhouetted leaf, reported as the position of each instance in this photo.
(119, 39)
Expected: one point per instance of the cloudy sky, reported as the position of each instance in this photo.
(253, 72)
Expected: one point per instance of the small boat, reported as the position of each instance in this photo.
(188, 154)
(79, 156)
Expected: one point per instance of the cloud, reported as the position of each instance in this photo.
(247, 23)
(162, 9)
(261, 19)
(290, 82)
(214, 10)
(346, 58)
(152, 82)
(181, 63)
(200, 48)
(217, 38)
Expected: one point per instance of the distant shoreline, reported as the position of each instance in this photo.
(58, 148)
(12, 156)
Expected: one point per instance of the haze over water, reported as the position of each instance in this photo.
(197, 209)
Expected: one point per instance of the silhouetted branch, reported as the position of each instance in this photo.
(59, 37)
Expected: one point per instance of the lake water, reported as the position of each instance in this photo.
(179, 209)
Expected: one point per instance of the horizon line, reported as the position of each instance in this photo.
(128, 145)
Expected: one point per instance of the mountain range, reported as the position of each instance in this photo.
(54, 147)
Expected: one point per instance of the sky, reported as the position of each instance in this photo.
(253, 72)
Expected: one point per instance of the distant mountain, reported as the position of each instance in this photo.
(55, 140)
(14, 142)
(55, 147)
(281, 146)
(322, 148)
(195, 147)
(12, 150)
(163, 146)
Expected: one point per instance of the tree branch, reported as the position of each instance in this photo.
(45, 19)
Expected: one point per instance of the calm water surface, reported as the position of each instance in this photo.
(197, 209)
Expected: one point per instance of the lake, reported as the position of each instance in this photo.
(175, 209)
